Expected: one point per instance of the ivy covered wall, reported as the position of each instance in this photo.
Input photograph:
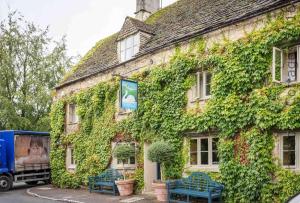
(246, 109)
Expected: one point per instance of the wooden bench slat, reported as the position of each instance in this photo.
(104, 181)
(198, 184)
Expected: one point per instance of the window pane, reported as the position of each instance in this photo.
(204, 144)
(278, 63)
(215, 158)
(122, 47)
(204, 158)
(200, 85)
(289, 143)
(289, 158)
(208, 81)
(129, 42)
(129, 53)
(72, 113)
(214, 143)
(292, 66)
(132, 160)
(193, 145)
(193, 158)
(193, 152)
(72, 156)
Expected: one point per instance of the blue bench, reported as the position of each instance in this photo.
(197, 185)
(105, 182)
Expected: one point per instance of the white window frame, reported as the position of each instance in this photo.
(283, 60)
(297, 155)
(210, 154)
(128, 166)
(274, 64)
(73, 118)
(70, 156)
(123, 47)
(199, 90)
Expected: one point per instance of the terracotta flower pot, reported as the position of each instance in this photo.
(161, 191)
(125, 187)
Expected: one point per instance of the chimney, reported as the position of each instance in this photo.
(144, 8)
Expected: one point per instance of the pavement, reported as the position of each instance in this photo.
(18, 195)
(49, 192)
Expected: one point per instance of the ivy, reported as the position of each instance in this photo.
(245, 110)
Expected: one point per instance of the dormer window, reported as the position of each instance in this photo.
(128, 47)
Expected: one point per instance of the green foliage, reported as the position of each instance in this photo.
(29, 71)
(160, 152)
(123, 152)
(245, 110)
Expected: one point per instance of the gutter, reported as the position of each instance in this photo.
(189, 36)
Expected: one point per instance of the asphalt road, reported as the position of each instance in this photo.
(18, 195)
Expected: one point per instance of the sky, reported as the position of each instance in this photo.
(84, 22)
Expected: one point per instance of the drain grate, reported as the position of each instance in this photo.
(133, 199)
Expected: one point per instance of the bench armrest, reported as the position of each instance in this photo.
(216, 187)
(171, 184)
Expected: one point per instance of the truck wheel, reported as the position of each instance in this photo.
(5, 183)
(31, 182)
(47, 181)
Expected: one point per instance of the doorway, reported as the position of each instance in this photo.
(150, 170)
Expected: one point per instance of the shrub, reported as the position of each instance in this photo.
(161, 152)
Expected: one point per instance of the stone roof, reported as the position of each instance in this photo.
(132, 26)
(178, 22)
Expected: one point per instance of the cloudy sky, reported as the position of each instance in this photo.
(84, 22)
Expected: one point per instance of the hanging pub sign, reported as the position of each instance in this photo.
(129, 95)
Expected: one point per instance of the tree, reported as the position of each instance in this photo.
(31, 64)
(161, 152)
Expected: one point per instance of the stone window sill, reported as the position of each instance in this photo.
(211, 168)
(200, 99)
(127, 167)
(72, 123)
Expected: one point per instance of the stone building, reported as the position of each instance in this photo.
(151, 39)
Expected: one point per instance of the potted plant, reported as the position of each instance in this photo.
(123, 152)
(160, 152)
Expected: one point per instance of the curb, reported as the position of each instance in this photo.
(28, 191)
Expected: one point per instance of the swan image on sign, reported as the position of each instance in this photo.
(129, 91)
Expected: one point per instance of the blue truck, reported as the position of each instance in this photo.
(24, 157)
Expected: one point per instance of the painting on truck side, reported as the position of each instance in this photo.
(32, 152)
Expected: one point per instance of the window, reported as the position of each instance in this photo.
(203, 151)
(70, 162)
(202, 88)
(73, 117)
(129, 47)
(285, 68)
(72, 156)
(289, 145)
(131, 160)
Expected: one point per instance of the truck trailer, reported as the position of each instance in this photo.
(24, 157)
